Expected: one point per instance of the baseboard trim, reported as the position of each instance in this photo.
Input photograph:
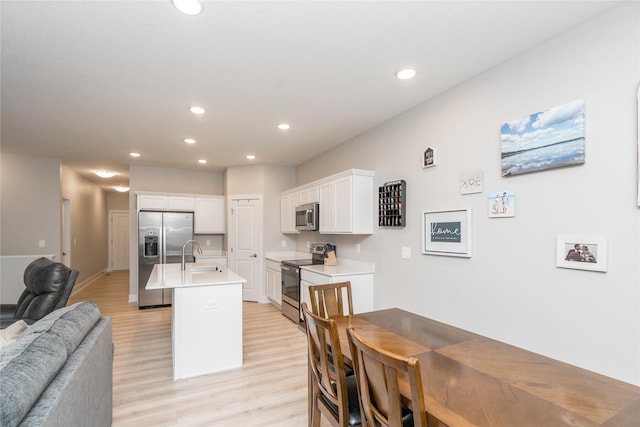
(80, 286)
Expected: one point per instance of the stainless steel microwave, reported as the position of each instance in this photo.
(307, 217)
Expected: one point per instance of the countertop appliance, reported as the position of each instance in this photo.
(161, 236)
(307, 217)
(290, 270)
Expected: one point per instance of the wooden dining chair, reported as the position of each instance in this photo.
(328, 300)
(332, 393)
(377, 372)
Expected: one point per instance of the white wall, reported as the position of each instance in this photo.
(89, 225)
(511, 289)
(30, 202)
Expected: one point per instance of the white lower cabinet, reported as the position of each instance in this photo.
(274, 282)
(361, 287)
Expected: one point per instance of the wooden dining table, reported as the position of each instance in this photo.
(472, 380)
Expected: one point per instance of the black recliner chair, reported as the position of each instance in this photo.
(49, 285)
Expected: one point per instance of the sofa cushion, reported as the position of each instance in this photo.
(26, 370)
(70, 323)
(29, 364)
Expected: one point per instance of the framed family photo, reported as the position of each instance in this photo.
(447, 233)
(581, 252)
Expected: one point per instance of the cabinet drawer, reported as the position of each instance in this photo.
(314, 278)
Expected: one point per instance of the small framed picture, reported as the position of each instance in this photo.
(581, 252)
(502, 204)
(447, 233)
(470, 181)
(429, 157)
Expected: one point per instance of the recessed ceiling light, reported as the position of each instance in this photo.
(202, 161)
(105, 174)
(134, 154)
(196, 110)
(406, 73)
(190, 140)
(284, 126)
(251, 157)
(189, 7)
(121, 188)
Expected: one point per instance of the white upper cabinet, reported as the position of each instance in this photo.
(208, 211)
(288, 204)
(181, 203)
(346, 204)
(165, 202)
(208, 217)
(153, 201)
(309, 195)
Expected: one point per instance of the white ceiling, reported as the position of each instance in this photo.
(90, 81)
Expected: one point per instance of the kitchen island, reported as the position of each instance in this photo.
(206, 326)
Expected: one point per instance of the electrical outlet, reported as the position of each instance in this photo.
(211, 304)
(284, 243)
(41, 243)
(358, 248)
(208, 242)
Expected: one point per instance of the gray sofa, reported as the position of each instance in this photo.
(59, 371)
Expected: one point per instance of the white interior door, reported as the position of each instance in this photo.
(119, 240)
(245, 243)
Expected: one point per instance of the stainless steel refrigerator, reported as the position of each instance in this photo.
(161, 236)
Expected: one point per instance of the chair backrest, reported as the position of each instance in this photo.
(68, 287)
(328, 300)
(327, 367)
(48, 284)
(378, 373)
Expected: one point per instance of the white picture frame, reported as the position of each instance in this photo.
(447, 233)
(429, 157)
(582, 252)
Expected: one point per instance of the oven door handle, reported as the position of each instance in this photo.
(288, 269)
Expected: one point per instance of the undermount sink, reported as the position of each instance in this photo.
(204, 268)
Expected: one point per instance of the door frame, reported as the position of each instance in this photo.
(111, 256)
(259, 272)
(65, 242)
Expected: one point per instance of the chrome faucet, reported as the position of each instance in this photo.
(195, 244)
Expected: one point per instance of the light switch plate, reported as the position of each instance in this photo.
(406, 252)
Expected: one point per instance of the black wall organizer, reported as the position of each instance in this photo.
(392, 206)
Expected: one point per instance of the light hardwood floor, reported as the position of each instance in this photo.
(269, 390)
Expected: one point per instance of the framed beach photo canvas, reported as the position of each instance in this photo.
(581, 252)
(447, 233)
(549, 139)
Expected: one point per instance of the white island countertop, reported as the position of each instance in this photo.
(169, 276)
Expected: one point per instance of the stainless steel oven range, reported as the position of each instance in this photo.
(290, 270)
